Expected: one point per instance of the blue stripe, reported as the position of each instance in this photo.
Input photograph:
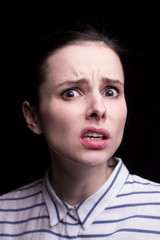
(132, 193)
(37, 218)
(79, 205)
(20, 198)
(66, 206)
(89, 213)
(133, 205)
(57, 212)
(123, 219)
(156, 185)
(22, 209)
(75, 219)
(27, 187)
(71, 224)
(24, 221)
(139, 231)
(120, 230)
(38, 231)
(81, 236)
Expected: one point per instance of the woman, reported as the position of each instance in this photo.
(80, 108)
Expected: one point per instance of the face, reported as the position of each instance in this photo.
(82, 109)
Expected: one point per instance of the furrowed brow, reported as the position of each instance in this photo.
(112, 81)
(86, 81)
(72, 82)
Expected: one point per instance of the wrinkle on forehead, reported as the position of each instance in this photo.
(89, 60)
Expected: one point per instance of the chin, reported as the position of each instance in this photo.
(94, 158)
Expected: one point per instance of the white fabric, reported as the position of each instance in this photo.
(125, 207)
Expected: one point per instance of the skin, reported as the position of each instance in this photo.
(96, 101)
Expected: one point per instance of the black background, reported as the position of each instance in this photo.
(24, 156)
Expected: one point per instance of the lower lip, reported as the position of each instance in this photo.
(93, 144)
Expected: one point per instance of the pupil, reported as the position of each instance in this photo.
(110, 93)
(70, 94)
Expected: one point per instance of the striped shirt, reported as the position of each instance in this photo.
(125, 207)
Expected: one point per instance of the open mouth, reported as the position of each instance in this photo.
(94, 138)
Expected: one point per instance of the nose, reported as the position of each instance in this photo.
(96, 108)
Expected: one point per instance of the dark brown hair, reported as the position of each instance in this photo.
(56, 38)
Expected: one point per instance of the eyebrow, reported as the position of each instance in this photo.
(85, 81)
(72, 82)
(113, 81)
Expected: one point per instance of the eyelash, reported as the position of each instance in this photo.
(112, 88)
(80, 93)
(70, 90)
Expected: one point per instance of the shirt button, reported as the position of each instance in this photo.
(73, 213)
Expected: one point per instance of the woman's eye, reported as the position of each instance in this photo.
(71, 93)
(111, 92)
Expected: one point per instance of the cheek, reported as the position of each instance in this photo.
(54, 126)
(118, 116)
(122, 121)
(59, 126)
(57, 118)
(53, 120)
(122, 115)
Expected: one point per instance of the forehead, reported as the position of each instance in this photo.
(83, 59)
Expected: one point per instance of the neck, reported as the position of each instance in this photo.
(73, 184)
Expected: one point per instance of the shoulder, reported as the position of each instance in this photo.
(28, 188)
(22, 209)
(22, 196)
(140, 188)
(140, 182)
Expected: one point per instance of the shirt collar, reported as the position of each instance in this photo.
(57, 208)
(92, 207)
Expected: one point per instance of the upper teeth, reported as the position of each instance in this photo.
(91, 134)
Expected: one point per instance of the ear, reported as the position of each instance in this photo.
(31, 118)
